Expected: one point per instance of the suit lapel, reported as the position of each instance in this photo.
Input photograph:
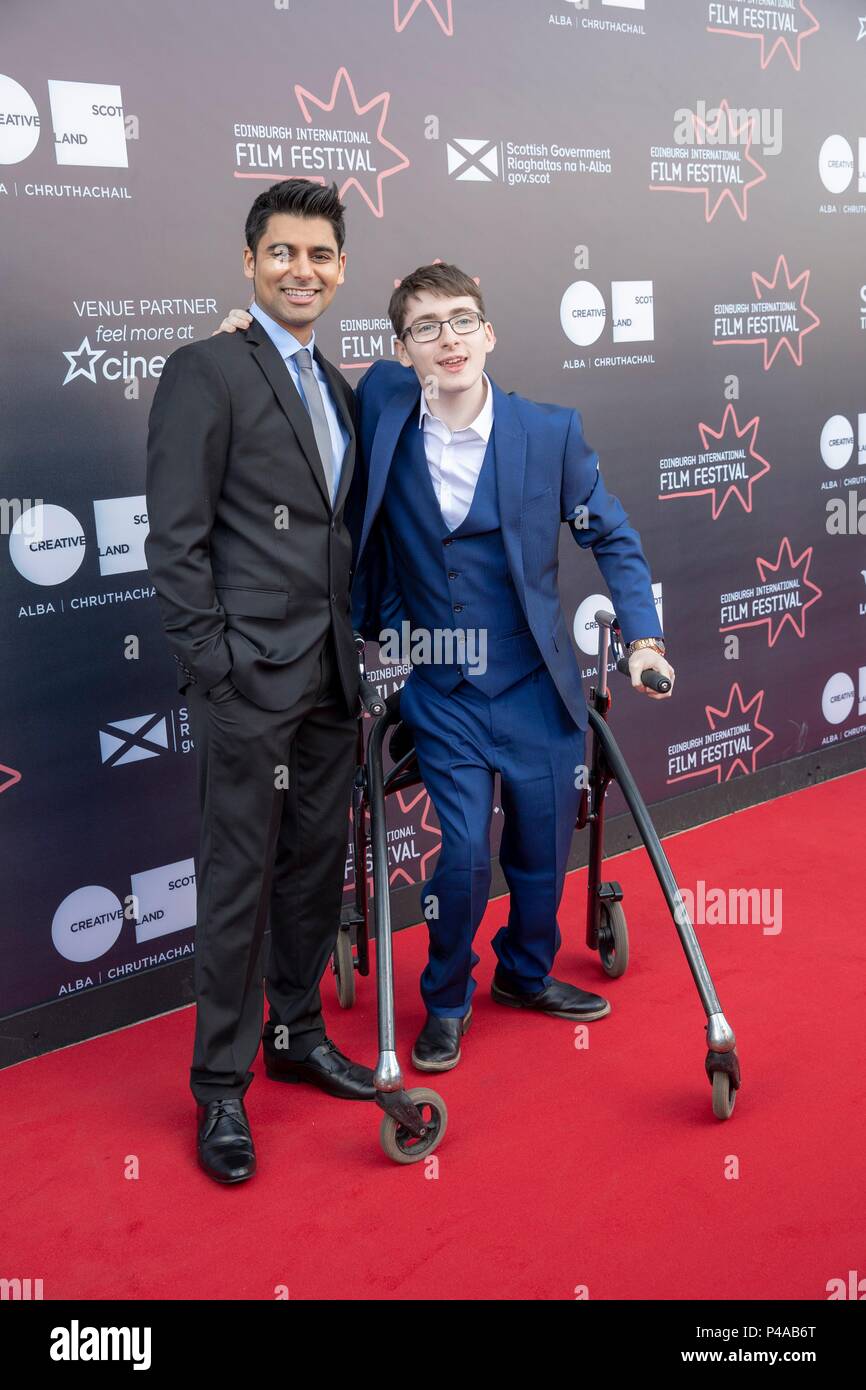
(293, 407)
(509, 440)
(405, 399)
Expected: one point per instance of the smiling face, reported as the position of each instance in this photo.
(295, 270)
(453, 361)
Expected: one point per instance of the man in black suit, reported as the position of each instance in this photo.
(250, 456)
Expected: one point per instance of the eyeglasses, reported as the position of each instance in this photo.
(428, 330)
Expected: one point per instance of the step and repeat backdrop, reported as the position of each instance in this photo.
(664, 202)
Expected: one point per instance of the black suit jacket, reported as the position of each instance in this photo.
(250, 564)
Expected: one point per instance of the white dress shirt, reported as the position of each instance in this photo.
(455, 458)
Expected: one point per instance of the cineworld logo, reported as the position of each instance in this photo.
(130, 740)
(89, 920)
(837, 441)
(81, 362)
(836, 164)
(583, 312)
(87, 117)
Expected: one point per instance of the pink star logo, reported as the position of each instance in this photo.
(407, 805)
(306, 100)
(444, 20)
(796, 290)
(702, 127)
(740, 489)
(9, 777)
(743, 714)
(716, 718)
(774, 570)
(781, 42)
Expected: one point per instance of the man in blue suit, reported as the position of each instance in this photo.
(458, 498)
(462, 493)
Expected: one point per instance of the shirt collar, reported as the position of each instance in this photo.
(285, 342)
(481, 425)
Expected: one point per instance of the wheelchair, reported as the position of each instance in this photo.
(415, 1121)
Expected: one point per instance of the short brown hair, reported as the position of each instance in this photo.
(300, 198)
(446, 281)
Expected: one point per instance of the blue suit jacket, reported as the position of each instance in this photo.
(546, 474)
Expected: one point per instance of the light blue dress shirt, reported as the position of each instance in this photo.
(287, 345)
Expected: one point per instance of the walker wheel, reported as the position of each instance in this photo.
(343, 963)
(612, 939)
(724, 1095)
(404, 1147)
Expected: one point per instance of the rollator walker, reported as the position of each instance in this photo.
(414, 1122)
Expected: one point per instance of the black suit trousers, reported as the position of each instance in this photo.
(274, 790)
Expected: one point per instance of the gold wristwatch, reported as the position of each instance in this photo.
(640, 642)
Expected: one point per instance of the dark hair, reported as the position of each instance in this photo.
(303, 199)
(446, 281)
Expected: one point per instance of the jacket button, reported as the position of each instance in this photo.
(448, 541)
(458, 608)
(452, 574)
(333, 598)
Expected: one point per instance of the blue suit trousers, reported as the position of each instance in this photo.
(462, 740)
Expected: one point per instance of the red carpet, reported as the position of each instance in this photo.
(560, 1168)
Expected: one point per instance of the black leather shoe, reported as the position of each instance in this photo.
(225, 1144)
(559, 999)
(326, 1067)
(437, 1047)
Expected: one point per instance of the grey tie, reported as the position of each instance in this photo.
(316, 409)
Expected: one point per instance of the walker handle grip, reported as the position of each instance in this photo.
(654, 679)
(371, 700)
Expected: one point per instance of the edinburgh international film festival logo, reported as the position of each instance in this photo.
(725, 469)
(87, 127)
(777, 28)
(730, 744)
(781, 598)
(343, 139)
(778, 317)
(714, 154)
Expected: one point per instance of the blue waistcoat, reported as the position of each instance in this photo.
(456, 580)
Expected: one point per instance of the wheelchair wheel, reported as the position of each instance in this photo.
(612, 939)
(404, 1147)
(343, 964)
(724, 1095)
